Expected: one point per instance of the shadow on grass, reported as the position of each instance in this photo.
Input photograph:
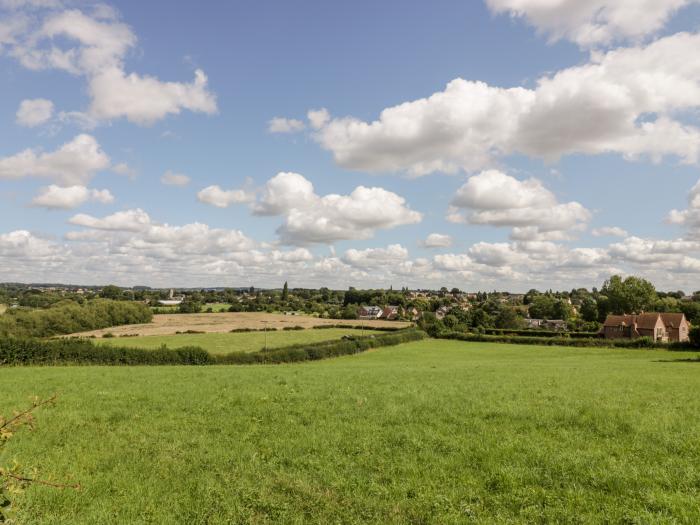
(686, 360)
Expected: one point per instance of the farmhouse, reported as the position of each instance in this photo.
(369, 312)
(390, 313)
(661, 327)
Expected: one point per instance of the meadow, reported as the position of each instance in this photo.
(225, 343)
(427, 432)
(169, 324)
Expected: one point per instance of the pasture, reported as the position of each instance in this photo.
(428, 432)
(169, 324)
(225, 343)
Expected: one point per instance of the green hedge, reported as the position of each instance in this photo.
(542, 333)
(85, 352)
(81, 351)
(360, 327)
(322, 350)
(641, 342)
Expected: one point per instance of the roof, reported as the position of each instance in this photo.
(645, 321)
(672, 319)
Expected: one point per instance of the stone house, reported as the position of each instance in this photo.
(661, 327)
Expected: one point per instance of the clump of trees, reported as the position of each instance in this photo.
(67, 317)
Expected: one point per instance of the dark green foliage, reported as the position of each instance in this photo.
(84, 351)
(322, 350)
(629, 296)
(543, 333)
(68, 317)
(694, 335)
(190, 306)
(293, 328)
(359, 327)
(641, 342)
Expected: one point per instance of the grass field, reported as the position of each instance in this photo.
(225, 343)
(168, 324)
(429, 432)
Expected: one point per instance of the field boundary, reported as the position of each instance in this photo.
(81, 351)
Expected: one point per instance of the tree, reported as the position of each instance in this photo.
(589, 310)
(111, 292)
(285, 292)
(508, 318)
(629, 296)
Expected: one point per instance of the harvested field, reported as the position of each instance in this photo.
(168, 324)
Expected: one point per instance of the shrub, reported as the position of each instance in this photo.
(293, 328)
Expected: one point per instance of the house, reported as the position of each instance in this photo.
(441, 312)
(390, 313)
(412, 313)
(533, 323)
(369, 312)
(662, 327)
(558, 325)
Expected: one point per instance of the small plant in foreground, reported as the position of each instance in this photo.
(12, 481)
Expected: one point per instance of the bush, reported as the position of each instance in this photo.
(68, 317)
(694, 335)
(293, 328)
(641, 342)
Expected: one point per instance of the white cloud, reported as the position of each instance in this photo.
(437, 240)
(32, 113)
(58, 197)
(592, 22)
(125, 221)
(689, 217)
(94, 46)
(310, 218)
(145, 100)
(74, 163)
(318, 117)
(285, 125)
(623, 101)
(376, 257)
(221, 198)
(609, 231)
(496, 199)
(171, 178)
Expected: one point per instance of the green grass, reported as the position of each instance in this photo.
(429, 432)
(225, 343)
(216, 307)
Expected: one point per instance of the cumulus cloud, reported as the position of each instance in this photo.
(496, 199)
(285, 125)
(593, 22)
(373, 257)
(623, 101)
(74, 163)
(318, 117)
(94, 46)
(32, 113)
(171, 178)
(215, 196)
(437, 240)
(690, 217)
(310, 218)
(59, 197)
(609, 231)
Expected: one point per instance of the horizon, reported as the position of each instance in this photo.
(473, 145)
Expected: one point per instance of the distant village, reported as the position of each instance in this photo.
(621, 308)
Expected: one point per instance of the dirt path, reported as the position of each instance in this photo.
(165, 324)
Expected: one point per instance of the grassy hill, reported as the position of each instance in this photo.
(428, 432)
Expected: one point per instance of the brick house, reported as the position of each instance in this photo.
(662, 327)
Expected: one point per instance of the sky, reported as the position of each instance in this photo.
(483, 144)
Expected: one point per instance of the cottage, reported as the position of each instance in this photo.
(369, 312)
(390, 313)
(662, 327)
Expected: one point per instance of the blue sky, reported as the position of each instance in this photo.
(556, 160)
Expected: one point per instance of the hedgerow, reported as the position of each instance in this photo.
(641, 342)
(81, 351)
